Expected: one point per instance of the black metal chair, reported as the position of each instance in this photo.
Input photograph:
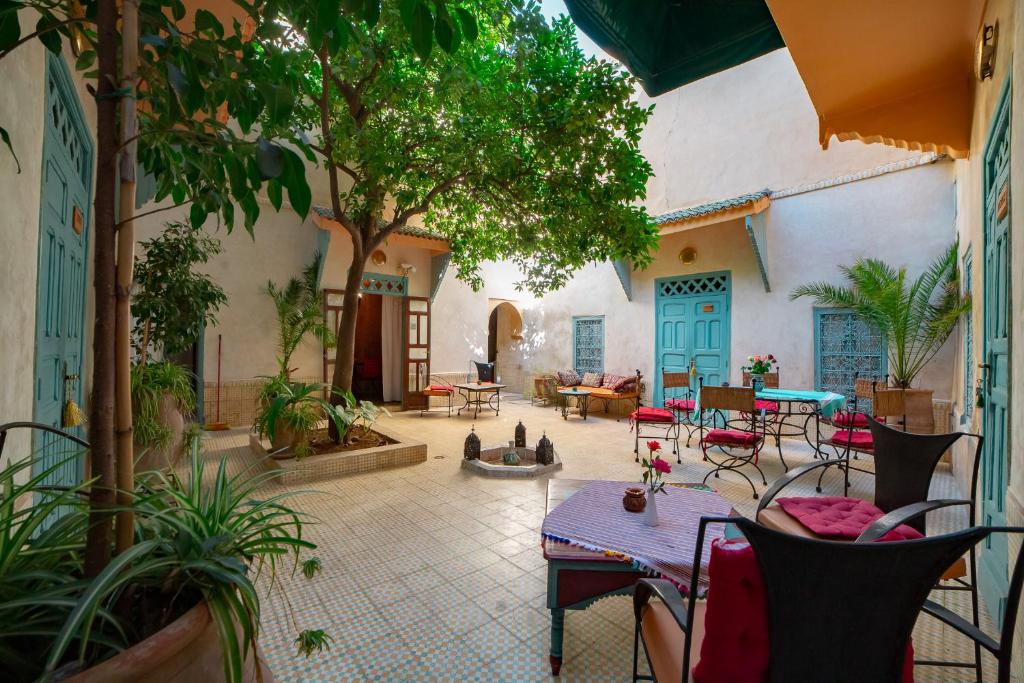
(47, 430)
(852, 627)
(484, 371)
(742, 438)
(904, 465)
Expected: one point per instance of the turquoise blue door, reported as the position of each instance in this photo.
(63, 242)
(692, 321)
(996, 312)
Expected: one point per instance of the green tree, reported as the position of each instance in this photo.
(915, 316)
(299, 313)
(172, 301)
(516, 146)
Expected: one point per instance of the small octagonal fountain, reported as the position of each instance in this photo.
(515, 460)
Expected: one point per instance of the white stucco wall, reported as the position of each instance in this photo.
(905, 218)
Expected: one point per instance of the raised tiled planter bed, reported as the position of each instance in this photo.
(330, 465)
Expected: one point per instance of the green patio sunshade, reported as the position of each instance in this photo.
(669, 43)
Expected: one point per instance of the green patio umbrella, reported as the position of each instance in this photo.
(669, 43)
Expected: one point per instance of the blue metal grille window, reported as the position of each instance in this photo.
(588, 344)
(845, 347)
(968, 339)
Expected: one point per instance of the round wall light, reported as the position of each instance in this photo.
(687, 256)
(379, 258)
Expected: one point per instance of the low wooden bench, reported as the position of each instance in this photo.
(607, 396)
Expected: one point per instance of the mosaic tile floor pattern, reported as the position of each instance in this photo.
(432, 574)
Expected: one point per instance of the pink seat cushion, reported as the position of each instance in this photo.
(652, 415)
(441, 387)
(847, 420)
(854, 438)
(731, 437)
(680, 404)
(736, 645)
(767, 406)
(840, 517)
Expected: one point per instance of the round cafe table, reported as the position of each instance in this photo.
(582, 397)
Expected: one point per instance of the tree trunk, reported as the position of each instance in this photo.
(101, 411)
(125, 527)
(344, 356)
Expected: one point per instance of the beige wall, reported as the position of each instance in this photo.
(21, 113)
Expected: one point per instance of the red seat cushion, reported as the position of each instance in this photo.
(731, 437)
(840, 517)
(767, 406)
(652, 415)
(854, 438)
(736, 647)
(680, 403)
(858, 420)
(441, 387)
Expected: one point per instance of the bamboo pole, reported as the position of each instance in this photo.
(125, 264)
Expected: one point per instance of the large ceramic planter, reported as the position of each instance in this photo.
(920, 413)
(168, 456)
(186, 651)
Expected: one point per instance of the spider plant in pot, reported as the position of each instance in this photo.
(915, 317)
(290, 411)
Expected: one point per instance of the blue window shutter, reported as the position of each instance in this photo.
(588, 343)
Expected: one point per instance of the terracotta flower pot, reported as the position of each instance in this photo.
(635, 499)
(186, 651)
(164, 457)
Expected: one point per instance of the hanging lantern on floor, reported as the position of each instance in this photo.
(545, 451)
(520, 435)
(471, 451)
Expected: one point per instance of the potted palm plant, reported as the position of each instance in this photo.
(915, 316)
(289, 411)
(299, 313)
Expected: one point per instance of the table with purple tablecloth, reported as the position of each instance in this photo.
(595, 548)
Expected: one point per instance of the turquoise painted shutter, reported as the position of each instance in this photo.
(588, 344)
(846, 347)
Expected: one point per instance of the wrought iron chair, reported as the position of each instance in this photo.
(46, 430)
(740, 440)
(904, 466)
(661, 423)
(873, 596)
(773, 420)
(439, 387)
(683, 404)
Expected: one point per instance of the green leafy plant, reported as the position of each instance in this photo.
(312, 567)
(299, 407)
(916, 316)
(299, 313)
(172, 301)
(150, 383)
(313, 640)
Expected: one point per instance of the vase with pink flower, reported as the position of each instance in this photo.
(654, 468)
(759, 367)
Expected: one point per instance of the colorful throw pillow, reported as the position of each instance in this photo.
(568, 378)
(625, 385)
(592, 379)
(609, 380)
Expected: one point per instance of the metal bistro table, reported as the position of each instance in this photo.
(577, 577)
(797, 410)
(473, 394)
(582, 397)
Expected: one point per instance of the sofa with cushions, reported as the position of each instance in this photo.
(605, 387)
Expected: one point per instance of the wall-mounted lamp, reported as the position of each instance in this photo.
(985, 51)
(688, 256)
(406, 269)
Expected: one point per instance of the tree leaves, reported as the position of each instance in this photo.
(10, 29)
(421, 28)
(269, 158)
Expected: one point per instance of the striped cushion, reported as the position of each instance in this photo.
(568, 378)
(609, 380)
(592, 379)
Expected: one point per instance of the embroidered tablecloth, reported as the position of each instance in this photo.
(593, 518)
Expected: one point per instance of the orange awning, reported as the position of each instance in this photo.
(896, 72)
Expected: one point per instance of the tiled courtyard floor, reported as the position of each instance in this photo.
(433, 574)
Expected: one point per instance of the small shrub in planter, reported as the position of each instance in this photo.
(290, 411)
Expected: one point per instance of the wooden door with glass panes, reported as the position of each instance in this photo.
(415, 352)
(332, 304)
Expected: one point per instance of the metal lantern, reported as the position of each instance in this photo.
(471, 451)
(520, 435)
(545, 451)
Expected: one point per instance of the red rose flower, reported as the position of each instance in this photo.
(653, 446)
(661, 465)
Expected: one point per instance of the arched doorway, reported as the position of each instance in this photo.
(504, 331)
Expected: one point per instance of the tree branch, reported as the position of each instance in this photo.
(403, 217)
(150, 213)
(328, 150)
(36, 34)
(343, 167)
